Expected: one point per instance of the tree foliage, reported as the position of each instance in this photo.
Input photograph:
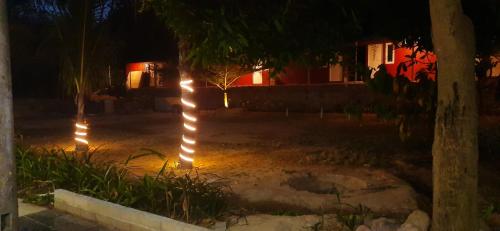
(268, 34)
(85, 48)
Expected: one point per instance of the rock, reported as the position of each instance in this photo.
(418, 220)
(384, 224)
(409, 227)
(262, 222)
(220, 226)
(363, 228)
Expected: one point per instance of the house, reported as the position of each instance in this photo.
(293, 75)
(150, 74)
(392, 56)
(495, 71)
(369, 54)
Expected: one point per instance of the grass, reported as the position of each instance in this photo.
(351, 220)
(186, 197)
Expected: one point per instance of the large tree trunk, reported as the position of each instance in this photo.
(455, 151)
(8, 199)
(186, 74)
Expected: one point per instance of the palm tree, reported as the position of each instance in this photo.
(85, 52)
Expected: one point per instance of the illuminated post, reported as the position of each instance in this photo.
(226, 102)
(81, 131)
(187, 148)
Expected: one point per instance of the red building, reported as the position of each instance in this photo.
(150, 74)
(370, 54)
(392, 55)
(293, 75)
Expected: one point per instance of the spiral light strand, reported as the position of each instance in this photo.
(187, 149)
(81, 133)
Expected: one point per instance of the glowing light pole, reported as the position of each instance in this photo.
(187, 148)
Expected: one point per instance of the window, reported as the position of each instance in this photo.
(375, 57)
(257, 77)
(389, 53)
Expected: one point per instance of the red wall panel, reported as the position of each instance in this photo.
(247, 80)
(411, 72)
(135, 67)
(298, 75)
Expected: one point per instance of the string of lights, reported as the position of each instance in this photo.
(81, 133)
(187, 148)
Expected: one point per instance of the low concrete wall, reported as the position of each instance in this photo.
(311, 98)
(332, 98)
(298, 98)
(115, 216)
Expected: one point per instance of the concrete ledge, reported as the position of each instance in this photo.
(115, 216)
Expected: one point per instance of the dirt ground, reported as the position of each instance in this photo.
(258, 151)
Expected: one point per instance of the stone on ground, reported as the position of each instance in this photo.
(261, 222)
(384, 224)
(409, 227)
(417, 221)
(363, 228)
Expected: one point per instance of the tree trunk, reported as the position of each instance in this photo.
(226, 100)
(80, 105)
(185, 74)
(8, 198)
(81, 142)
(455, 151)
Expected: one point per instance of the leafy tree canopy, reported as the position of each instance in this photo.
(265, 34)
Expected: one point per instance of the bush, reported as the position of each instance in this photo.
(414, 102)
(187, 197)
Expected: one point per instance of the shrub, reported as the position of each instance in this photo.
(187, 197)
(413, 101)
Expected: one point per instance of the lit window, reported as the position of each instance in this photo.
(257, 77)
(389, 53)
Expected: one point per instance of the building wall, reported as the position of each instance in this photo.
(377, 54)
(160, 74)
(292, 75)
(140, 66)
(401, 56)
(246, 80)
(495, 71)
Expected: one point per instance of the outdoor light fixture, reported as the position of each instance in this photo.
(226, 103)
(188, 138)
(81, 137)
